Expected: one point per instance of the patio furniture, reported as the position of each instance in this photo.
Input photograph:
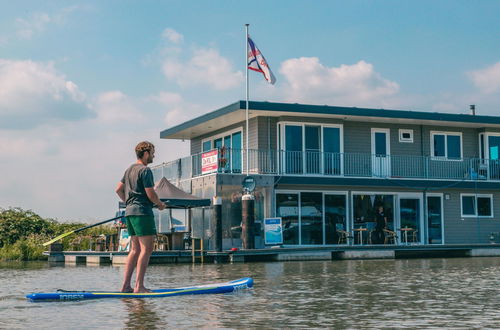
(344, 236)
(390, 236)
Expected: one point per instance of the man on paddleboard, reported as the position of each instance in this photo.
(136, 189)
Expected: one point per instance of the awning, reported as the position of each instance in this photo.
(177, 198)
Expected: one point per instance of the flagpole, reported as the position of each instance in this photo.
(246, 103)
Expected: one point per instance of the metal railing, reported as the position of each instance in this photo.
(279, 162)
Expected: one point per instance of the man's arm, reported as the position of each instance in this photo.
(120, 191)
(153, 197)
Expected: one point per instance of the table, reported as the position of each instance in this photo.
(360, 234)
(404, 232)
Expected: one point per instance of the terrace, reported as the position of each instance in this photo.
(299, 163)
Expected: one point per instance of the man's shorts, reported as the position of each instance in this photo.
(141, 225)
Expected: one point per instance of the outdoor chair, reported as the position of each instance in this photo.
(344, 236)
(390, 236)
(161, 243)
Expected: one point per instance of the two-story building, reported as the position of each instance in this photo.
(328, 171)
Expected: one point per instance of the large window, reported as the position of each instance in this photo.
(230, 148)
(312, 218)
(447, 145)
(311, 148)
(477, 205)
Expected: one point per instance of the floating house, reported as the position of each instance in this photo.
(330, 173)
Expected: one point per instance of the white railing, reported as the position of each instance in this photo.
(335, 164)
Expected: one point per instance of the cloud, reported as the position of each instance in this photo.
(32, 93)
(309, 81)
(205, 67)
(172, 36)
(38, 22)
(176, 110)
(487, 80)
(114, 106)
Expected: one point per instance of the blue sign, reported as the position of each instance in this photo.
(273, 231)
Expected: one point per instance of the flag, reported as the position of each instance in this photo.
(257, 62)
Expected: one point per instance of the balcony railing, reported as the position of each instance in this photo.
(278, 162)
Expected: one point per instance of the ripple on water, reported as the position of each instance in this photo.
(425, 293)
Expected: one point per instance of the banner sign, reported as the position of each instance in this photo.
(209, 162)
(273, 231)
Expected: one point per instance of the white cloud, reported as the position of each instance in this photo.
(175, 108)
(309, 81)
(172, 36)
(487, 80)
(205, 67)
(38, 22)
(116, 106)
(32, 93)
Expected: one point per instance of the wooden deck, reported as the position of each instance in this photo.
(337, 252)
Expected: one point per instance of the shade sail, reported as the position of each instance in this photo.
(177, 198)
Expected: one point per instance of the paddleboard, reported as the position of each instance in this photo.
(226, 287)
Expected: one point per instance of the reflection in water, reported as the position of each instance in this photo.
(140, 314)
(415, 293)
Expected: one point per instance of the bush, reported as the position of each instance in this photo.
(22, 234)
(15, 223)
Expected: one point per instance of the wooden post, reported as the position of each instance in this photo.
(217, 223)
(247, 223)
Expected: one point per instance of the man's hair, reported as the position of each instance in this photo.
(142, 147)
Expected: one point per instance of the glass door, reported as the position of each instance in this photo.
(435, 219)
(311, 218)
(293, 149)
(410, 219)
(494, 159)
(332, 162)
(381, 163)
(287, 207)
(313, 149)
(335, 219)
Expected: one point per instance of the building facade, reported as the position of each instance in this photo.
(337, 175)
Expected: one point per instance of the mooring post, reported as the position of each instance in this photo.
(247, 223)
(217, 223)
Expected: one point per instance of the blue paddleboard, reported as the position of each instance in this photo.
(226, 287)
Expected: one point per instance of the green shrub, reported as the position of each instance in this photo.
(22, 234)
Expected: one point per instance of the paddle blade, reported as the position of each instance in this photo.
(58, 238)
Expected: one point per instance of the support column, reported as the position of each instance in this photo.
(247, 223)
(217, 223)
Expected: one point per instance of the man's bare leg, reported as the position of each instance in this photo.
(146, 248)
(130, 264)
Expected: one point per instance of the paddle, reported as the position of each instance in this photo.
(79, 229)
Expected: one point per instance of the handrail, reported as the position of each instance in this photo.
(317, 163)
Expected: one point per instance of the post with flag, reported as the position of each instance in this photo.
(254, 61)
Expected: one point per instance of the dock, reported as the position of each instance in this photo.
(348, 252)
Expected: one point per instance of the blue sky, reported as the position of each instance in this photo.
(81, 82)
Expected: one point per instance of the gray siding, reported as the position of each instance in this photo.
(463, 230)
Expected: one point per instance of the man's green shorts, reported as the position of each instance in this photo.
(141, 225)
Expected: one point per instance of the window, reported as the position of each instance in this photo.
(406, 135)
(446, 145)
(232, 144)
(477, 205)
(311, 148)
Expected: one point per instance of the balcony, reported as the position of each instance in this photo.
(273, 162)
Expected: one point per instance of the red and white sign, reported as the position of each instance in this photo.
(209, 161)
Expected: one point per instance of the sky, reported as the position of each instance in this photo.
(82, 82)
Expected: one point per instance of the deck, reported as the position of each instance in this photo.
(337, 252)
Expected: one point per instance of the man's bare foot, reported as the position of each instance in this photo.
(142, 290)
(127, 290)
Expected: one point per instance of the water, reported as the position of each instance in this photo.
(415, 293)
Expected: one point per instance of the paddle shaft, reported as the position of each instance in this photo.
(80, 229)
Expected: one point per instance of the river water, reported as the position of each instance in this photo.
(414, 293)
